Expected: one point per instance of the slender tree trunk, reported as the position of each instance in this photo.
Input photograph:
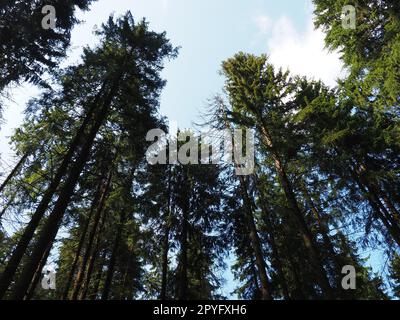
(255, 241)
(388, 217)
(255, 277)
(164, 279)
(14, 171)
(38, 275)
(387, 207)
(113, 259)
(81, 243)
(15, 260)
(52, 224)
(394, 195)
(378, 207)
(9, 203)
(297, 281)
(373, 193)
(92, 259)
(374, 186)
(324, 232)
(305, 232)
(98, 277)
(163, 295)
(395, 234)
(275, 251)
(183, 283)
(125, 284)
(272, 241)
(279, 267)
(115, 251)
(122, 295)
(253, 233)
(395, 213)
(385, 218)
(100, 206)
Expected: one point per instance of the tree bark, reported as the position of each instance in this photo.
(324, 232)
(122, 295)
(305, 232)
(13, 172)
(38, 275)
(80, 244)
(390, 212)
(395, 213)
(275, 251)
(113, 259)
(394, 195)
(52, 224)
(164, 279)
(99, 210)
(299, 285)
(9, 203)
(379, 209)
(183, 259)
(98, 277)
(92, 259)
(253, 232)
(255, 241)
(255, 277)
(15, 260)
(394, 233)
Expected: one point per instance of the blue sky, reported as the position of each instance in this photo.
(208, 31)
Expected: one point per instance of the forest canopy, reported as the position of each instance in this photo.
(84, 199)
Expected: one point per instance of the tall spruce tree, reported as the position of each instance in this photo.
(125, 68)
(28, 50)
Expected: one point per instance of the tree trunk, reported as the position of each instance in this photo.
(389, 210)
(394, 233)
(275, 251)
(324, 232)
(15, 260)
(377, 206)
(255, 241)
(255, 277)
(164, 279)
(100, 206)
(394, 195)
(52, 224)
(385, 218)
(305, 232)
(122, 295)
(115, 251)
(38, 275)
(183, 282)
(395, 213)
(113, 259)
(9, 203)
(253, 233)
(300, 293)
(98, 277)
(163, 295)
(92, 259)
(13, 172)
(374, 186)
(80, 244)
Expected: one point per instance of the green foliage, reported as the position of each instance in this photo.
(372, 50)
(326, 184)
(31, 50)
(395, 274)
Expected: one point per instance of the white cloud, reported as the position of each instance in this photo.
(303, 53)
(263, 23)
